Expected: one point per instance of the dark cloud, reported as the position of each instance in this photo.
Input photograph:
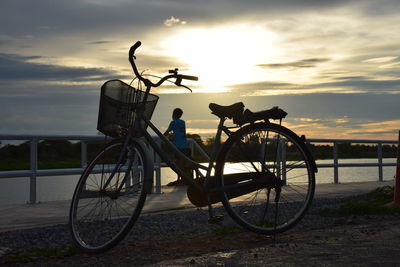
(15, 67)
(100, 42)
(379, 8)
(304, 63)
(363, 107)
(263, 86)
(47, 17)
(351, 78)
(361, 133)
(42, 109)
(159, 63)
(356, 83)
(363, 84)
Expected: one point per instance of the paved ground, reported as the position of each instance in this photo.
(56, 212)
(372, 240)
(344, 241)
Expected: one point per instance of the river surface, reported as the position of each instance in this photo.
(49, 188)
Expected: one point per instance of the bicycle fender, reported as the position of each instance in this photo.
(301, 140)
(308, 153)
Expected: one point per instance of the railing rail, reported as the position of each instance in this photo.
(336, 163)
(34, 172)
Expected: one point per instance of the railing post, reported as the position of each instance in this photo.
(335, 163)
(83, 154)
(33, 167)
(262, 154)
(380, 169)
(396, 199)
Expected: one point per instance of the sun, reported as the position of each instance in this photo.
(223, 55)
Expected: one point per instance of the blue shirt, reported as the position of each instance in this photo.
(179, 129)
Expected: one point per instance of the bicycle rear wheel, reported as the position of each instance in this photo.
(266, 191)
(102, 214)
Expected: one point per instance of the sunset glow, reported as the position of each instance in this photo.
(334, 66)
(223, 55)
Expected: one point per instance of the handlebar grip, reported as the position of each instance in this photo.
(133, 48)
(192, 78)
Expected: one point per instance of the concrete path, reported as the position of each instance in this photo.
(19, 216)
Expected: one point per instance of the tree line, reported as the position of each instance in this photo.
(66, 154)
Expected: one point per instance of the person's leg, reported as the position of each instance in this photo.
(181, 163)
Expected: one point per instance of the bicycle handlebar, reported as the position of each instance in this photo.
(133, 49)
(188, 77)
(147, 82)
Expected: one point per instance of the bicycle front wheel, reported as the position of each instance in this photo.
(109, 197)
(267, 178)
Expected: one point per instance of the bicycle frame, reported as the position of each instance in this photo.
(157, 148)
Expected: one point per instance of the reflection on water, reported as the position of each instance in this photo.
(16, 190)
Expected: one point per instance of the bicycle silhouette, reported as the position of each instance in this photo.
(263, 173)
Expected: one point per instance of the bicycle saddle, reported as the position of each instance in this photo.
(231, 111)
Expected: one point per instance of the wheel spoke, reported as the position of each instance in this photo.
(106, 204)
(260, 148)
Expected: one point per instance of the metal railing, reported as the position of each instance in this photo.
(380, 164)
(34, 172)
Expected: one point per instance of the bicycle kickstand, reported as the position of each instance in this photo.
(213, 219)
(277, 196)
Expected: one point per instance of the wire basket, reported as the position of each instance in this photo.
(118, 103)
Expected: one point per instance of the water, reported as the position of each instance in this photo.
(16, 190)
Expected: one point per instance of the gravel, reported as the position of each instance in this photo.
(183, 223)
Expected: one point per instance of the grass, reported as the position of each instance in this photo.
(372, 203)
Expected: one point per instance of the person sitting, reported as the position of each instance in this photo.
(178, 128)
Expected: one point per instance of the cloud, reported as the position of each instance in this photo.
(16, 67)
(364, 84)
(174, 21)
(346, 84)
(76, 16)
(202, 131)
(304, 63)
(263, 86)
(73, 16)
(380, 59)
(99, 42)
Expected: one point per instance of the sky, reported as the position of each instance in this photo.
(332, 65)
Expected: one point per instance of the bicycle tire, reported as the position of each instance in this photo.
(100, 219)
(246, 154)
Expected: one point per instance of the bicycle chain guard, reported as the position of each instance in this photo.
(249, 182)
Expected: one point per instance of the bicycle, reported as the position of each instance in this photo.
(263, 173)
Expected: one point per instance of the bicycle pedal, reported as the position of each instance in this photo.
(215, 219)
